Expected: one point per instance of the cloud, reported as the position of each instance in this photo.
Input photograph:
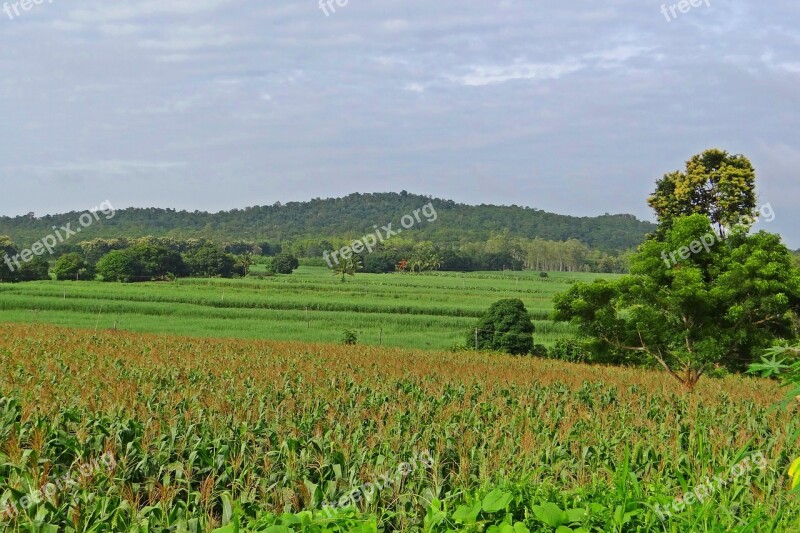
(576, 106)
(188, 38)
(481, 75)
(97, 168)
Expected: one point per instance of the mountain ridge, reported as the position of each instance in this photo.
(353, 215)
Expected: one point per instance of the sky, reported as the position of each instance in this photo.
(571, 107)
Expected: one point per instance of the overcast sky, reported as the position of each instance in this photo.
(574, 107)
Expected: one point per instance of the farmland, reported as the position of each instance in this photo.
(210, 431)
(426, 311)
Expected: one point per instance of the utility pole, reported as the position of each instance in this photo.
(476, 339)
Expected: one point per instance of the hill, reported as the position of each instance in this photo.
(351, 216)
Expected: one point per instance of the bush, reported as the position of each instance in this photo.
(349, 338)
(506, 327)
(570, 350)
(544, 275)
(539, 350)
(284, 263)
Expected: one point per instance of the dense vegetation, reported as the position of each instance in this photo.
(208, 432)
(703, 292)
(505, 327)
(353, 216)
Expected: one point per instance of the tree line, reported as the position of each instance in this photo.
(350, 217)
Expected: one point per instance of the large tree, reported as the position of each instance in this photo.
(720, 306)
(715, 184)
(506, 326)
(73, 266)
(7, 252)
(208, 261)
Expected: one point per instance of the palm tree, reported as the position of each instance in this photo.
(348, 267)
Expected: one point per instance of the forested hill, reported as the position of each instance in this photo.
(351, 216)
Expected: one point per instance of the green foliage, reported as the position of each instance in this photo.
(37, 269)
(208, 261)
(349, 337)
(715, 184)
(506, 326)
(145, 261)
(721, 306)
(73, 266)
(284, 263)
(7, 251)
(118, 265)
(569, 350)
(347, 267)
(157, 261)
(300, 224)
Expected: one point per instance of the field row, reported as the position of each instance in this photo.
(422, 311)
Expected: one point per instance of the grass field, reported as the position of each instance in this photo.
(204, 432)
(428, 311)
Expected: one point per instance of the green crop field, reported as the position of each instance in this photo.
(427, 311)
(158, 433)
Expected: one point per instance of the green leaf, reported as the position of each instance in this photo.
(519, 527)
(550, 513)
(495, 501)
(466, 514)
(576, 515)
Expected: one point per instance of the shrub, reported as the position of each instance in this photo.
(349, 338)
(544, 275)
(506, 327)
(570, 350)
(284, 263)
(539, 350)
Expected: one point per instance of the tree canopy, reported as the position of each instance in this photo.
(506, 326)
(717, 308)
(715, 184)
